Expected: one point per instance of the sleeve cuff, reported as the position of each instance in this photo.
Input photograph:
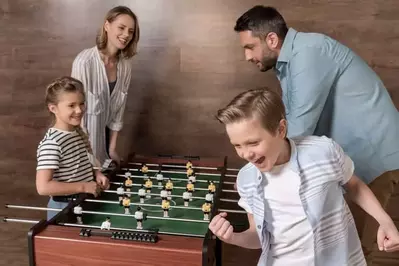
(243, 204)
(115, 126)
(347, 169)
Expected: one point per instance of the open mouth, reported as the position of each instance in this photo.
(122, 41)
(260, 160)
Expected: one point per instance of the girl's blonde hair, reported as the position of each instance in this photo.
(264, 104)
(101, 40)
(55, 89)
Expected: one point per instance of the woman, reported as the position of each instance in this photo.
(105, 71)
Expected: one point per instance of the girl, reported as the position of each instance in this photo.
(105, 71)
(63, 165)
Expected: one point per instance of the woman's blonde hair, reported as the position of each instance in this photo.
(264, 104)
(55, 89)
(131, 48)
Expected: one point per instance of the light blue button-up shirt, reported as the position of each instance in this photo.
(322, 168)
(329, 90)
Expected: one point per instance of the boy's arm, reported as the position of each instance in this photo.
(361, 194)
(224, 231)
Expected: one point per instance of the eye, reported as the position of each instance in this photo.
(255, 143)
(121, 28)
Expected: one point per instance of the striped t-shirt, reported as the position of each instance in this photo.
(66, 153)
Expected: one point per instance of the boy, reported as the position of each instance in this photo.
(292, 191)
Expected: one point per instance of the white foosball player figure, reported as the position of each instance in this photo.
(159, 178)
(193, 180)
(138, 215)
(164, 193)
(186, 197)
(209, 197)
(77, 210)
(128, 174)
(142, 194)
(206, 208)
(106, 225)
(120, 191)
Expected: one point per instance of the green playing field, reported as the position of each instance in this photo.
(194, 226)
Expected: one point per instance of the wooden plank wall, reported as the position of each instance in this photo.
(189, 65)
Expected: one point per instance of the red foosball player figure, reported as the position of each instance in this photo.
(142, 194)
(126, 204)
(190, 171)
(106, 225)
(148, 187)
(165, 207)
(190, 189)
(77, 210)
(206, 208)
(189, 164)
(186, 197)
(169, 188)
(139, 215)
(212, 187)
(128, 184)
(144, 169)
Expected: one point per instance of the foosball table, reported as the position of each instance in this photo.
(156, 212)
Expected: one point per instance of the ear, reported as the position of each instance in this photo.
(282, 128)
(272, 41)
(107, 25)
(52, 108)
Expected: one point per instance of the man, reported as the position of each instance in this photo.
(329, 90)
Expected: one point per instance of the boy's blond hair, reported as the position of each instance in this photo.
(264, 104)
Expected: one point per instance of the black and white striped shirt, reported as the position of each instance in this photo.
(65, 152)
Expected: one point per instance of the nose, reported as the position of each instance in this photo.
(248, 55)
(79, 109)
(247, 154)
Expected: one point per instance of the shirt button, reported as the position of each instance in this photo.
(259, 177)
(259, 227)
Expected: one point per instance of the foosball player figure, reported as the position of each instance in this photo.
(193, 179)
(159, 178)
(165, 207)
(128, 184)
(164, 193)
(186, 197)
(77, 210)
(190, 171)
(139, 215)
(106, 225)
(190, 189)
(120, 191)
(128, 174)
(148, 187)
(209, 197)
(126, 204)
(169, 188)
(206, 208)
(142, 194)
(144, 169)
(212, 187)
(189, 164)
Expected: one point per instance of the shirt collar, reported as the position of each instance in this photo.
(286, 49)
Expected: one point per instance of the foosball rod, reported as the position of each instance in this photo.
(168, 172)
(173, 179)
(184, 167)
(157, 195)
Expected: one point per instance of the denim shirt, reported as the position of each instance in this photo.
(319, 162)
(329, 90)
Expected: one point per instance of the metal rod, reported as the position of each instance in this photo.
(228, 175)
(233, 169)
(228, 200)
(152, 194)
(232, 211)
(167, 171)
(175, 179)
(176, 166)
(31, 208)
(15, 220)
(229, 191)
(156, 186)
(229, 183)
(141, 204)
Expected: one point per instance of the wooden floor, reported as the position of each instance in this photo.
(13, 243)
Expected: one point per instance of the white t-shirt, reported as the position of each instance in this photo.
(186, 195)
(164, 193)
(159, 177)
(142, 192)
(120, 191)
(209, 197)
(291, 233)
(193, 178)
(106, 225)
(77, 210)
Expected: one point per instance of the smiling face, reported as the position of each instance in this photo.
(263, 53)
(119, 31)
(69, 110)
(257, 145)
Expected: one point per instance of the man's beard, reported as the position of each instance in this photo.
(268, 62)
